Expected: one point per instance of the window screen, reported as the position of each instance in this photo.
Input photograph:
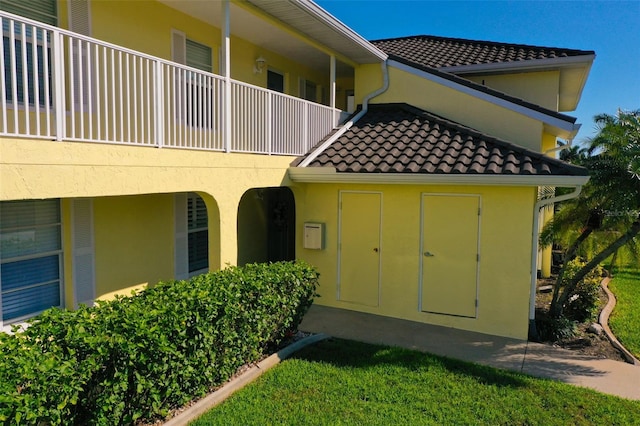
(199, 56)
(40, 10)
(30, 257)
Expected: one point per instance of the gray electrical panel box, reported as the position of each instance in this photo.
(313, 236)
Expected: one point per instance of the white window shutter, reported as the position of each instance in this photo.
(80, 16)
(83, 251)
(178, 47)
(181, 253)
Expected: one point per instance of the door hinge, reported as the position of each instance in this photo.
(476, 303)
(479, 211)
(477, 257)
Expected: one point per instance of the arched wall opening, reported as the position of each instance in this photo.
(266, 225)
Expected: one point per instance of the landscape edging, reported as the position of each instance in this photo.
(603, 319)
(229, 388)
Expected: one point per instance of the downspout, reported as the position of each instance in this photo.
(534, 252)
(559, 148)
(350, 123)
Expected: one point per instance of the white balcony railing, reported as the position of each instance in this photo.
(55, 84)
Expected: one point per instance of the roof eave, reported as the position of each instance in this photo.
(372, 53)
(528, 65)
(570, 92)
(559, 127)
(329, 175)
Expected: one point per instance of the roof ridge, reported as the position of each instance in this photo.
(484, 42)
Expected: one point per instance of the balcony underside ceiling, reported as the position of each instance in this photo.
(263, 33)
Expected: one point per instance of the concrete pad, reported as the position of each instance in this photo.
(540, 360)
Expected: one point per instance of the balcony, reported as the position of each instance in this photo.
(59, 85)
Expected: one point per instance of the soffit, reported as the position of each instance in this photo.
(324, 30)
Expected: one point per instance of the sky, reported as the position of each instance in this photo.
(610, 28)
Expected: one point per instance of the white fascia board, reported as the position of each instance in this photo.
(529, 65)
(337, 25)
(551, 122)
(329, 175)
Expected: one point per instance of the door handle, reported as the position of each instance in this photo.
(428, 254)
(375, 249)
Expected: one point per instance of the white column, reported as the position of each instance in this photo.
(225, 69)
(332, 83)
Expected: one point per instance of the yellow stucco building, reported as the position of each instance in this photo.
(152, 140)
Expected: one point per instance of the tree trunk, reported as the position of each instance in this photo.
(613, 263)
(558, 305)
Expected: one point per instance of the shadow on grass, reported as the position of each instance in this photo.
(348, 353)
(627, 272)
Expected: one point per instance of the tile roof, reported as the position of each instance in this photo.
(443, 52)
(399, 138)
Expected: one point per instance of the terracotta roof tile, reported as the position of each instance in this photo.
(429, 144)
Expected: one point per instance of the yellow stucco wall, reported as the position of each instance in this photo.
(505, 236)
(133, 240)
(33, 169)
(438, 99)
(540, 88)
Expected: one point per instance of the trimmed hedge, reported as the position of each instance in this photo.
(138, 357)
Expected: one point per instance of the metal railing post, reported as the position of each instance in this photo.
(58, 85)
(158, 104)
(269, 123)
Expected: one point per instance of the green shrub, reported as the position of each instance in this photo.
(583, 302)
(138, 357)
(553, 329)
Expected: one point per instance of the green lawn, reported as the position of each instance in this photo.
(338, 382)
(625, 319)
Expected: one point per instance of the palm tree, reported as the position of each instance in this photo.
(610, 201)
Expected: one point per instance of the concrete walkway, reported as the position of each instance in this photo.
(604, 375)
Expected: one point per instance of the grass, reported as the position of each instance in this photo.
(338, 382)
(625, 319)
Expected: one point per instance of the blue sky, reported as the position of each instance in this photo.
(610, 28)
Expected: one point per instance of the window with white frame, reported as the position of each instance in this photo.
(26, 52)
(195, 92)
(30, 258)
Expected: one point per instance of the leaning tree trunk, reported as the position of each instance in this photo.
(613, 263)
(558, 305)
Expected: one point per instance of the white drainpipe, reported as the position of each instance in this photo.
(534, 249)
(559, 148)
(347, 125)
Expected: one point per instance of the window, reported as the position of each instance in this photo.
(199, 56)
(30, 67)
(26, 67)
(308, 90)
(30, 258)
(275, 81)
(42, 10)
(196, 91)
(198, 234)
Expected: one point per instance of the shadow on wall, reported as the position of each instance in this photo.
(266, 225)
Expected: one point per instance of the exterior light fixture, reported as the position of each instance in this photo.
(259, 66)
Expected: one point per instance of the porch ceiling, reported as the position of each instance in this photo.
(299, 16)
